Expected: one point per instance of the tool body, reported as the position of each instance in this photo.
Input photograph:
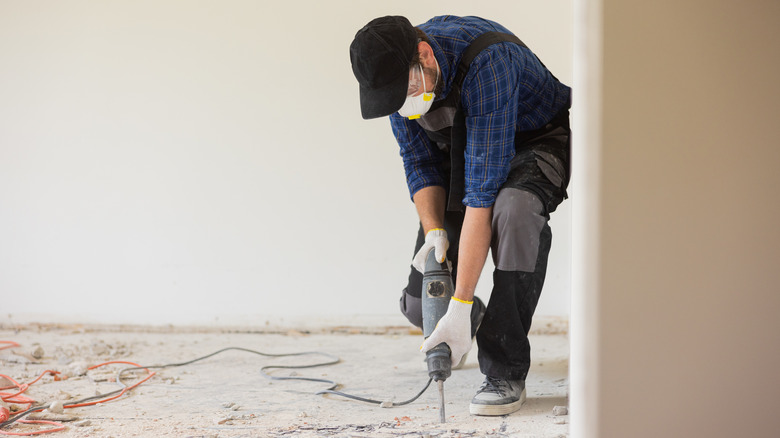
(437, 291)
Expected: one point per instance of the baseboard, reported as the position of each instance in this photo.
(355, 324)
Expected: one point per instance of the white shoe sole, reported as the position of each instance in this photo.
(494, 410)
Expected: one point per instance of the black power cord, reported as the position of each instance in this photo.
(332, 360)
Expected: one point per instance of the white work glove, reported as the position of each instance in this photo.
(435, 239)
(454, 329)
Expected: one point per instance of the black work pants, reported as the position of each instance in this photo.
(520, 246)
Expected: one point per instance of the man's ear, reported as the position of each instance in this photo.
(426, 55)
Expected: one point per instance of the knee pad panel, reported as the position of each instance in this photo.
(518, 220)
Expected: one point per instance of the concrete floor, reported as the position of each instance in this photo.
(227, 396)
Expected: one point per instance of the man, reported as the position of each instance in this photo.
(483, 128)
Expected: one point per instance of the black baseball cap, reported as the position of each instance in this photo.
(381, 54)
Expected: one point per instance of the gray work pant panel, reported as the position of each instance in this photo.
(518, 219)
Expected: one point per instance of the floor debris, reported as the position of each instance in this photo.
(56, 407)
(226, 396)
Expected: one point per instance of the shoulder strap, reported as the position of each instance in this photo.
(479, 44)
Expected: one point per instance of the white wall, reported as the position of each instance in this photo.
(675, 327)
(195, 162)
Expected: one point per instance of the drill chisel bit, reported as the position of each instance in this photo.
(442, 417)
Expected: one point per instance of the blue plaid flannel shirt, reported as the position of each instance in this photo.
(506, 89)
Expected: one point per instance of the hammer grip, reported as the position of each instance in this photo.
(439, 362)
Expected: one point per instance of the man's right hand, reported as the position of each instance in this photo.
(435, 239)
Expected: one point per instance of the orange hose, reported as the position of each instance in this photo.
(11, 344)
(124, 390)
(18, 397)
(58, 427)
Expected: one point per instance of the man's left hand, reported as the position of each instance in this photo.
(454, 329)
(435, 240)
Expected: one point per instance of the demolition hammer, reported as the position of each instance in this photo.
(437, 290)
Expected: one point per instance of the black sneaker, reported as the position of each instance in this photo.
(498, 397)
(477, 314)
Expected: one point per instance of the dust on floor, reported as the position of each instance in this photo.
(226, 395)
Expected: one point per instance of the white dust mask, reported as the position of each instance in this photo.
(419, 104)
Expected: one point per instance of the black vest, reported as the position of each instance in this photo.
(445, 122)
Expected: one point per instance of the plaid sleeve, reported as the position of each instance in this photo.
(490, 98)
(422, 160)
